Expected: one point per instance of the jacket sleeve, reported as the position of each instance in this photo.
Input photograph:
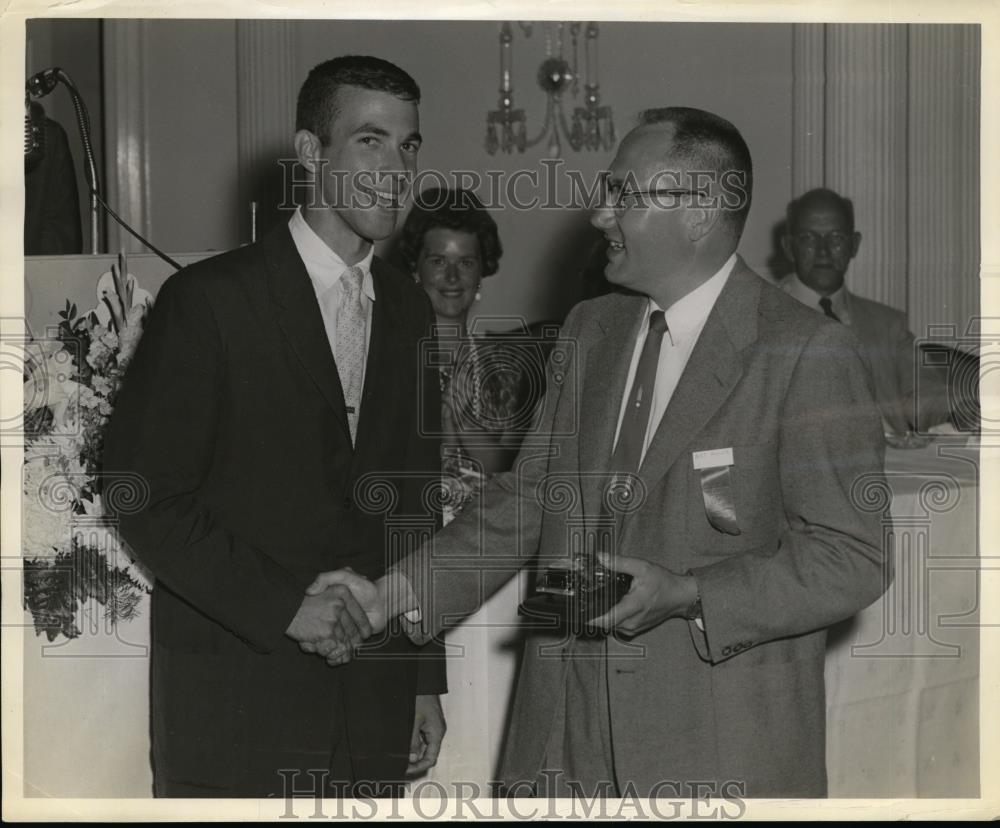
(158, 451)
(498, 532)
(425, 454)
(830, 562)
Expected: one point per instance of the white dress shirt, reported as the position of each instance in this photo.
(685, 319)
(325, 269)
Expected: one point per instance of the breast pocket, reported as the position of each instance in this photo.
(753, 493)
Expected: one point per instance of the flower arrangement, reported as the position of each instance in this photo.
(72, 556)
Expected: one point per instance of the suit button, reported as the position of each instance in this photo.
(727, 651)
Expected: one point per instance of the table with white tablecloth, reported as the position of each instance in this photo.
(902, 677)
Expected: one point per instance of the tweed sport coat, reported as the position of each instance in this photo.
(742, 703)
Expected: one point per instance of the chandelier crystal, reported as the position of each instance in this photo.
(592, 126)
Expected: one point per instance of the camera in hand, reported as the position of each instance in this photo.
(569, 598)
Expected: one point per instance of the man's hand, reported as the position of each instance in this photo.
(428, 733)
(656, 594)
(331, 623)
(368, 596)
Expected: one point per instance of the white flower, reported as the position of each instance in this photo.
(107, 293)
(59, 449)
(129, 338)
(88, 399)
(99, 352)
(110, 339)
(102, 385)
(43, 529)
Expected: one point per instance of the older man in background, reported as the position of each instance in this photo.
(820, 240)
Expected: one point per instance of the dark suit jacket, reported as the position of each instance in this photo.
(786, 390)
(232, 419)
(51, 203)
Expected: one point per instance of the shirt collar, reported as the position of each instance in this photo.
(686, 317)
(323, 265)
(839, 301)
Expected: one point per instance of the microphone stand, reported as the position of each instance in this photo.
(40, 85)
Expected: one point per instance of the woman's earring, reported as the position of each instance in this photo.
(416, 278)
(479, 292)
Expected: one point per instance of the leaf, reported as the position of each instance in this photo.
(48, 596)
(125, 289)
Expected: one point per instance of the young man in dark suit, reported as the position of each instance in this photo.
(271, 384)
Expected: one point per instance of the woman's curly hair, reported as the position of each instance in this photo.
(452, 210)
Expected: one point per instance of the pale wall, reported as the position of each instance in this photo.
(742, 72)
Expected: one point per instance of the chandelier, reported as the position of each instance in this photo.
(592, 127)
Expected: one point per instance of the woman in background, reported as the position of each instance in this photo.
(490, 386)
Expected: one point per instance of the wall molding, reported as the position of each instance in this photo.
(267, 83)
(808, 106)
(127, 180)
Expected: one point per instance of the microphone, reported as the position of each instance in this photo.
(41, 83)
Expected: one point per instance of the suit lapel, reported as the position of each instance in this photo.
(610, 355)
(300, 320)
(714, 369)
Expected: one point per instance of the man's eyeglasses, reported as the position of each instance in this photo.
(835, 242)
(618, 199)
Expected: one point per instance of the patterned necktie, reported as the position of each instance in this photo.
(827, 307)
(632, 436)
(351, 341)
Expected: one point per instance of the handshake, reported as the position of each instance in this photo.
(342, 608)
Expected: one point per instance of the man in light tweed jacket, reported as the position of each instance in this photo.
(760, 435)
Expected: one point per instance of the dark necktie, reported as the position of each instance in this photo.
(620, 495)
(827, 307)
(628, 452)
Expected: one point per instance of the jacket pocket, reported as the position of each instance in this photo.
(752, 491)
